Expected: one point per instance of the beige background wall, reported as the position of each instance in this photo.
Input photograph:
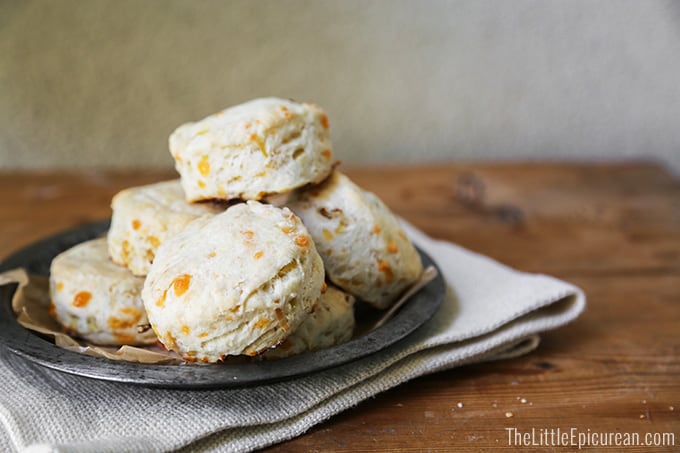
(103, 83)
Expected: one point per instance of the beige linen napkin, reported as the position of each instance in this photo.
(490, 312)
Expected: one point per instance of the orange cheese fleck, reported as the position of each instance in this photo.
(302, 241)
(262, 323)
(324, 121)
(260, 143)
(150, 255)
(132, 312)
(286, 112)
(161, 301)
(204, 166)
(186, 330)
(60, 286)
(154, 241)
(212, 254)
(287, 229)
(202, 334)
(126, 250)
(249, 235)
(181, 284)
(170, 341)
(392, 247)
(136, 224)
(81, 299)
(201, 184)
(118, 324)
(377, 229)
(384, 267)
(327, 154)
(258, 255)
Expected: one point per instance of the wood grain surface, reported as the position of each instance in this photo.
(612, 229)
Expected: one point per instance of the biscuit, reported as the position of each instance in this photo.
(364, 249)
(235, 283)
(96, 299)
(262, 147)
(143, 217)
(330, 323)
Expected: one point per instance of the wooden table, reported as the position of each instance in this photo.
(612, 229)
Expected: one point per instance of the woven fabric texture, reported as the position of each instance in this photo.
(490, 312)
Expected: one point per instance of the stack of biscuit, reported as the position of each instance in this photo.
(216, 267)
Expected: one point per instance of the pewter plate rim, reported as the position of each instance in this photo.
(36, 258)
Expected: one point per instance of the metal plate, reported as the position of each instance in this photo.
(36, 259)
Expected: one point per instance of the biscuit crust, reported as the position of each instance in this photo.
(95, 299)
(330, 323)
(143, 217)
(364, 249)
(236, 283)
(262, 147)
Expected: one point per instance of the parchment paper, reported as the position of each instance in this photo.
(31, 303)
